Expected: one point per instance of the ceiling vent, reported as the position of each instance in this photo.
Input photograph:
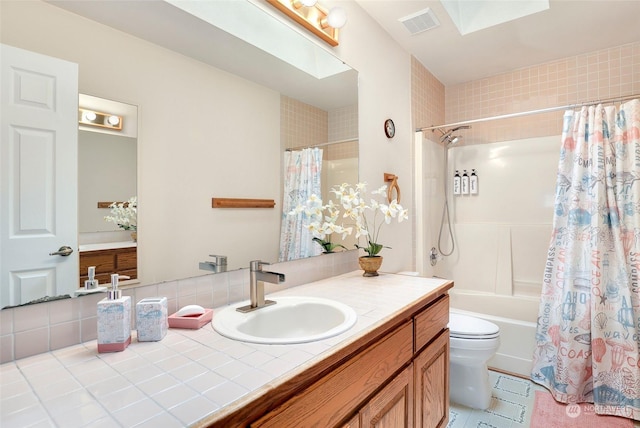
(420, 21)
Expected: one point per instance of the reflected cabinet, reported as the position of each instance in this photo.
(123, 261)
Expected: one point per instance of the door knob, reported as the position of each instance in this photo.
(62, 251)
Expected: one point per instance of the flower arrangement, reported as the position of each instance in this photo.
(321, 226)
(124, 214)
(366, 217)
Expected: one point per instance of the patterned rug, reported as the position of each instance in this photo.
(548, 413)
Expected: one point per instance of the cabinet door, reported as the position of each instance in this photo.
(393, 406)
(431, 371)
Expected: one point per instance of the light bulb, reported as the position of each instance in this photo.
(90, 116)
(337, 17)
(113, 120)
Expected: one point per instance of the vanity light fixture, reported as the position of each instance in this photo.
(102, 120)
(323, 23)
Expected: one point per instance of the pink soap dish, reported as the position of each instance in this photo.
(192, 322)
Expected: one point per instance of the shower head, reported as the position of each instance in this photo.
(452, 139)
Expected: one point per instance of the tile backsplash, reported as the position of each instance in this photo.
(35, 329)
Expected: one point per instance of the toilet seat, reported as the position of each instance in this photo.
(468, 327)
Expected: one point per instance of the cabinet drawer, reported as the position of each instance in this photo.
(123, 261)
(330, 400)
(103, 262)
(127, 260)
(431, 321)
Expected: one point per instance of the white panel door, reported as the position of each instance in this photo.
(38, 176)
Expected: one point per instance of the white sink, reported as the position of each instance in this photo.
(290, 320)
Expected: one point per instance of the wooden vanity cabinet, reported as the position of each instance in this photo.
(123, 261)
(400, 380)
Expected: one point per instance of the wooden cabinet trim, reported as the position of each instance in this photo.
(430, 321)
(393, 406)
(431, 367)
(333, 398)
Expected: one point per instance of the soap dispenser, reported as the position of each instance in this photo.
(114, 319)
(92, 282)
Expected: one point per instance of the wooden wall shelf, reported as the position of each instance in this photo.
(242, 203)
(107, 204)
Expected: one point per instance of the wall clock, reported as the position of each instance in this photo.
(389, 128)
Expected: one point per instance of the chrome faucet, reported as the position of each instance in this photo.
(257, 279)
(218, 264)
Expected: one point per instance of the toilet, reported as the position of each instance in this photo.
(473, 341)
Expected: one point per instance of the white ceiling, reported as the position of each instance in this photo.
(567, 28)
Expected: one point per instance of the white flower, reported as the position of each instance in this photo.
(351, 200)
(124, 214)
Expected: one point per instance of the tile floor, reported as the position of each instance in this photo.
(511, 405)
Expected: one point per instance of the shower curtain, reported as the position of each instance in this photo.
(588, 330)
(302, 170)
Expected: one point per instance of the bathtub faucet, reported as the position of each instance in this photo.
(257, 278)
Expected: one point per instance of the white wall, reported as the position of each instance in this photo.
(107, 166)
(197, 123)
(384, 92)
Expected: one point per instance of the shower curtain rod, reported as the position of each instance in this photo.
(525, 113)
(349, 140)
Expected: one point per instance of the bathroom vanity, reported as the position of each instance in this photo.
(396, 375)
(391, 369)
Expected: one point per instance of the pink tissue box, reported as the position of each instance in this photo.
(193, 322)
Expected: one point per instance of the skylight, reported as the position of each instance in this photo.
(475, 15)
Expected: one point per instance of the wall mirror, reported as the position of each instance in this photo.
(334, 93)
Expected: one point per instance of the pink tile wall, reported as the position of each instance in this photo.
(607, 73)
(302, 125)
(427, 97)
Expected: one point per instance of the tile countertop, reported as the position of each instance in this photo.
(106, 246)
(191, 374)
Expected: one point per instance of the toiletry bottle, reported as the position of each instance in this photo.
(92, 282)
(114, 319)
(456, 183)
(465, 183)
(473, 182)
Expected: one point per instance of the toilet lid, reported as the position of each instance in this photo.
(468, 327)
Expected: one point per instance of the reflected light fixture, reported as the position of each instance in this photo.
(321, 22)
(101, 120)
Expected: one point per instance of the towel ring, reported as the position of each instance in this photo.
(393, 179)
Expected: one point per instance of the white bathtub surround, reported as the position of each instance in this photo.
(190, 374)
(34, 329)
(501, 235)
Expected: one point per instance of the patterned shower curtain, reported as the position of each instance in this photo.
(302, 171)
(588, 332)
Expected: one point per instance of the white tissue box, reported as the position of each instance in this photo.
(151, 319)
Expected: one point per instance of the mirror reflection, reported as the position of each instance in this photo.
(107, 174)
(220, 129)
(325, 157)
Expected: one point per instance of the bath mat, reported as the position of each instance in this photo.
(548, 413)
